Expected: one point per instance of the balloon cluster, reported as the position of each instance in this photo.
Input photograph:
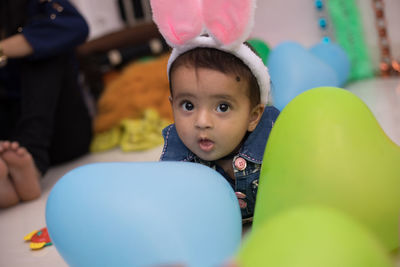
(295, 69)
(328, 196)
(329, 187)
(328, 190)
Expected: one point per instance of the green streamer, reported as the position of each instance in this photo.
(349, 34)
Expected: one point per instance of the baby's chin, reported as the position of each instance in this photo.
(207, 157)
(210, 156)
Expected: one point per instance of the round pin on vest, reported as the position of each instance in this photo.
(240, 164)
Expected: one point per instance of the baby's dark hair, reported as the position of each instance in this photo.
(211, 58)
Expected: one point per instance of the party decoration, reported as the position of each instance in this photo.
(38, 239)
(336, 57)
(311, 236)
(327, 148)
(293, 70)
(388, 65)
(324, 23)
(349, 33)
(144, 214)
(261, 48)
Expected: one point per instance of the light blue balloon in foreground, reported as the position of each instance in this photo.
(294, 70)
(144, 214)
(336, 57)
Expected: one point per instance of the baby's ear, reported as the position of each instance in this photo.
(229, 22)
(255, 117)
(178, 20)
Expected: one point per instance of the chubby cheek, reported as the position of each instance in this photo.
(230, 142)
(184, 129)
(233, 136)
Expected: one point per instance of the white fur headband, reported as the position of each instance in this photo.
(228, 22)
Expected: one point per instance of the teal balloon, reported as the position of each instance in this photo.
(261, 48)
(336, 57)
(294, 70)
(144, 214)
(312, 236)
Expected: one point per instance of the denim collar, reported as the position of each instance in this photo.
(252, 149)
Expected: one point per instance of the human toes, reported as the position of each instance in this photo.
(16, 158)
(14, 145)
(23, 173)
(21, 151)
(4, 145)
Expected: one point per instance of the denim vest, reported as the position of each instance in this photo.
(246, 163)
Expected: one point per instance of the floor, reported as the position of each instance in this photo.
(382, 96)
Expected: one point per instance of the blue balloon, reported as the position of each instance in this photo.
(144, 214)
(336, 57)
(294, 70)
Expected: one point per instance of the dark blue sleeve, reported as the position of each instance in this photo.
(272, 112)
(254, 146)
(54, 26)
(174, 149)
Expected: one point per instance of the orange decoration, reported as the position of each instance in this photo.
(140, 86)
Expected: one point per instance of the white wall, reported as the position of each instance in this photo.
(101, 15)
(290, 20)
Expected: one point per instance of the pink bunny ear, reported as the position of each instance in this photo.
(229, 21)
(178, 20)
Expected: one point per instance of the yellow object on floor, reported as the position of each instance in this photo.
(106, 140)
(132, 134)
(38, 239)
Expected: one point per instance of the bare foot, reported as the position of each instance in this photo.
(4, 146)
(22, 170)
(8, 196)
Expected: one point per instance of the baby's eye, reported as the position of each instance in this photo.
(187, 106)
(223, 107)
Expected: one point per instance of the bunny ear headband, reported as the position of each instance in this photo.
(228, 22)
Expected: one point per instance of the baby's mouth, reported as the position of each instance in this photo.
(206, 144)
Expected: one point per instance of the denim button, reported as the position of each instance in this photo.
(240, 164)
(241, 197)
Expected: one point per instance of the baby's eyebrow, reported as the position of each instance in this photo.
(183, 95)
(224, 97)
(227, 96)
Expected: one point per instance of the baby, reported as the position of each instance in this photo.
(219, 91)
(220, 115)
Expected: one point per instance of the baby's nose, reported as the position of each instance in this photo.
(204, 119)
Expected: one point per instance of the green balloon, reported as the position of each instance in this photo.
(311, 236)
(261, 48)
(327, 148)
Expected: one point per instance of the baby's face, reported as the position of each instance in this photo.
(212, 111)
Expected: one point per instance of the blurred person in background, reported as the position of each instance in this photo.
(44, 119)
